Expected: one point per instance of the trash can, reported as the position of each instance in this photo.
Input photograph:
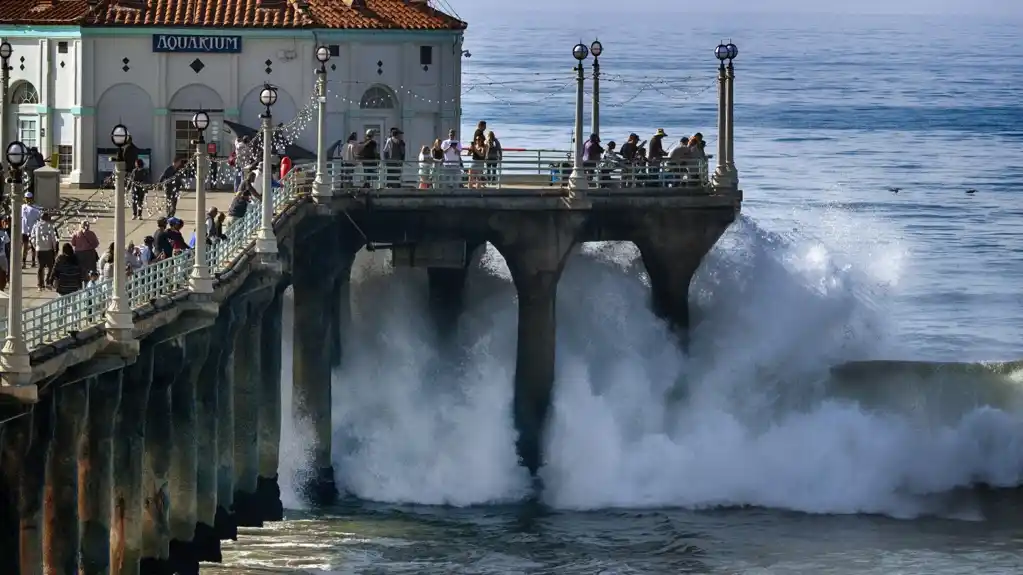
(47, 188)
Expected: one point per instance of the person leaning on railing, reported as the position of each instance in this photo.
(242, 199)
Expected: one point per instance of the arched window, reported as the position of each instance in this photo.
(377, 98)
(25, 93)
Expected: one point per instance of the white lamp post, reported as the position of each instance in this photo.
(596, 48)
(119, 321)
(733, 174)
(200, 280)
(14, 355)
(721, 172)
(5, 84)
(266, 241)
(577, 180)
(320, 188)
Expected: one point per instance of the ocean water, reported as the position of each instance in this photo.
(752, 454)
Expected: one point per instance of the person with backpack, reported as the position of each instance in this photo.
(368, 154)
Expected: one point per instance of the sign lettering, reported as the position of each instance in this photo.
(203, 44)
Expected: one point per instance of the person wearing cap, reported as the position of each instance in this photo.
(368, 154)
(628, 153)
(394, 155)
(655, 154)
(30, 215)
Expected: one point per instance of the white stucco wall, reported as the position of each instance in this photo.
(96, 88)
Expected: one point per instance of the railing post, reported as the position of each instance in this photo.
(266, 241)
(200, 281)
(319, 189)
(14, 360)
(119, 321)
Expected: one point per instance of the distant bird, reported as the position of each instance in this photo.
(971, 191)
(894, 190)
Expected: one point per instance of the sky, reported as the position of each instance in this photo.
(979, 7)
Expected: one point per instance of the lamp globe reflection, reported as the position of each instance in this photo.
(5, 50)
(268, 95)
(17, 154)
(596, 48)
(733, 50)
(580, 51)
(119, 135)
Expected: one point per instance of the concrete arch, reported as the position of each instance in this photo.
(196, 97)
(379, 97)
(284, 110)
(126, 104)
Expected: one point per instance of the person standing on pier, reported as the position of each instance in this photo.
(45, 242)
(172, 183)
(394, 156)
(30, 214)
(453, 159)
(67, 276)
(368, 154)
(85, 243)
(655, 155)
(137, 181)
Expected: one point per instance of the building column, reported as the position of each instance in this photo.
(17, 437)
(84, 151)
(247, 384)
(129, 455)
(32, 486)
(225, 524)
(60, 508)
(96, 473)
(207, 543)
(535, 247)
(159, 442)
(672, 246)
(268, 491)
(184, 455)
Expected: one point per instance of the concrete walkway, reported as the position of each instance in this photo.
(97, 206)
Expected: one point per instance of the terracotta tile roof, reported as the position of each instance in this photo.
(366, 15)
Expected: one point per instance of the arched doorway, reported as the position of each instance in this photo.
(378, 110)
(126, 104)
(183, 105)
(24, 98)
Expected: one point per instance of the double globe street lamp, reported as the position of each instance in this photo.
(319, 184)
(266, 242)
(725, 175)
(14, 355)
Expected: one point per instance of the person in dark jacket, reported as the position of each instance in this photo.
(33, 162)
(137, 180)
(131, 153)
(66, 276)
(368, 154)
(173, 180)
(162, 247)
(394, 156)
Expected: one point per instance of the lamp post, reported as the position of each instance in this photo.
(200, 280)
(596, 48)
(577, 180)
(14, 355)
(322, 56)
(266, 242)
(119, 320)
(721, 173)
(5, 85)
(733, 175)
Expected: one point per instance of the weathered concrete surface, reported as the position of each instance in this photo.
(129, 452)
(313, 347)
(225, 523)
(535, 247)
(167, 366)
(32, 485)
(15, 441)
(247, 384)
(268, 491)
(183, 470)
(96, 473)
(206, 542)
(60, 505)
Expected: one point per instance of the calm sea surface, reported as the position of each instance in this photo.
(747, 456)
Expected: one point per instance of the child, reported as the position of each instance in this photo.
(93, 279)
(425, 167)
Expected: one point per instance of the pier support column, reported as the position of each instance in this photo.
(247, 384)
(32, 486)
(268, 491)
(311, 369)
(535, 247)
(96, 474)
(206, 542)
(60, 508)
(672, 245)
(129, 454)
(17, 437)
(183, 469)
(167, 366)
(225, 523)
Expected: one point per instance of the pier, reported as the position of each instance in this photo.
(140, 419)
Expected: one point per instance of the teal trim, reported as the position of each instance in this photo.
(321, 35)
(43, 110)
(232, 112)
(161, 112)
(32, 31)
(82, 111)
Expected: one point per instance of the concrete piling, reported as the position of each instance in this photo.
(225, 524)
(96, 474)
(168, 364)
(184, 463)
(32, 485)
(129, 455)
(247, 383)
(16, 440)
(60, 501)
(268, 491)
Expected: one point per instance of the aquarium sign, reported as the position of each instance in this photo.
(193, 43)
